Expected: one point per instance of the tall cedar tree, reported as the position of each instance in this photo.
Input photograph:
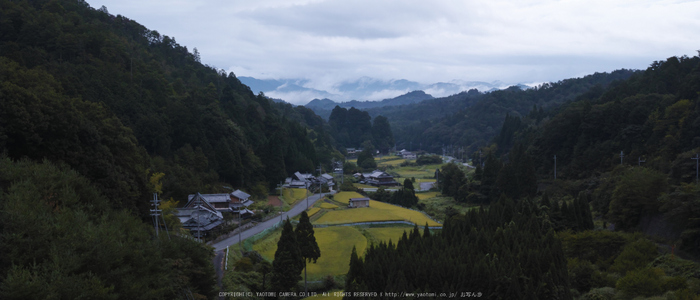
(288, 263)
(307, 242)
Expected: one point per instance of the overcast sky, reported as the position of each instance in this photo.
(424, 41)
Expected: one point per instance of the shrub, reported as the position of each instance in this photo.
(635, 255)
(605, 293)
(641, 282)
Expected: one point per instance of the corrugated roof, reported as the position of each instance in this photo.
(240, 194)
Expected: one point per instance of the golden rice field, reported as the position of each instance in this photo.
(344, 197)
(335, 244)
(292, 196)
(389, 233)
(328, 205)
(312, 211)
(378, 211)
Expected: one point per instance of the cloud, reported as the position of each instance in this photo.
(327, 42)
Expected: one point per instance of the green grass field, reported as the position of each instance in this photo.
(363, 186)
(436, 206)
(344, 197)
(378, 211)
(390, 161)
(335, 243)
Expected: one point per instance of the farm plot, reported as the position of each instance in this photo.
(312, 211)
(376, 212)
(344, 197)
(389, 233)
(427, 195)
(292, 196)
(328, 205)
(335, 244)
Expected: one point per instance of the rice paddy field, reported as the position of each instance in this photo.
(390, 161)
(389, 233)
(292, 196)
(328, 205)
(377, 211)
(426, 195)
(312, 211)
(335, 243)
(344, 197)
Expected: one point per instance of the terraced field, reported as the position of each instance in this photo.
(344, 197)
(377, 211)
(389, 233)
(328, 205)
(292, 196)
(335, 243)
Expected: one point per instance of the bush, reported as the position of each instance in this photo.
(635, 255)
(606, 293)
(580, 274)
(641, 282)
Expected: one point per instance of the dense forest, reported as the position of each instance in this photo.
(354, 128)
(470, 119)
(198, 125)
(625, 159)
(92, 106)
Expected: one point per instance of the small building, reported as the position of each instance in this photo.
(408, 155)
(378, 178)
(232, 202)
(358, 202)
(239, 200)
(199, 215)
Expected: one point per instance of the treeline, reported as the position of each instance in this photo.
(505, 252)
(193, 122)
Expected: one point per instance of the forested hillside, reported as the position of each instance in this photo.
(92, 105)
(630, 148)
(471, 119)
(134, 89)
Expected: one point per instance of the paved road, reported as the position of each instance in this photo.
(424, 186)
(296, 210)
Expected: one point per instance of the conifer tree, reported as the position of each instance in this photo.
(288, 263)
(307, 242)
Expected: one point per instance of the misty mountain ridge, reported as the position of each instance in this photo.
(302, 91)
(408, 98)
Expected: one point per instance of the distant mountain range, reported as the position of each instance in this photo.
(302, 91)
(408, 98)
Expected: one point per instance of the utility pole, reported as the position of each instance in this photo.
(240, 230)
(697, 165)
(622, 155)
(555, 167)
(155, 213)
(640, 161)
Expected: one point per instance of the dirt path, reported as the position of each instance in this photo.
(274, 201)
